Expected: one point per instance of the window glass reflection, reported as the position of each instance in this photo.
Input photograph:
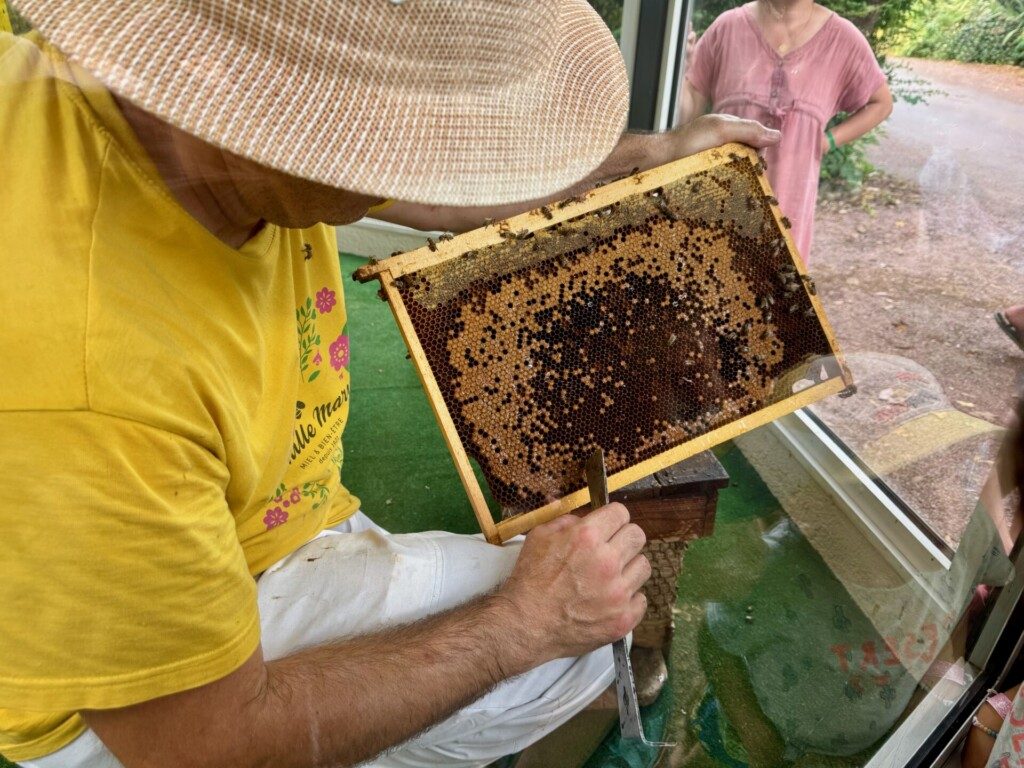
(912, 236)
(834, 614)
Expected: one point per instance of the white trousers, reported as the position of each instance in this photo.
(358, 579)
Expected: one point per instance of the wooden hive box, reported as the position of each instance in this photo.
(654, 317)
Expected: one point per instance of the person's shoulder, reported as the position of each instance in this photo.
(48, 197)
(730, 19)
(29, 57)
(845, 31)
(30, 43)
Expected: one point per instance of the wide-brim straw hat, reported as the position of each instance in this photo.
(451, 102)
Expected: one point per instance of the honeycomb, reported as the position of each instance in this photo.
(634, 328)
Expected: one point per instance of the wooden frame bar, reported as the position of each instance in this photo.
(389, 270)
(444, 418)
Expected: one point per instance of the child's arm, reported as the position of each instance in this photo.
(878, 108)
(692, 104)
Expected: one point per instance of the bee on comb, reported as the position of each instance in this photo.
(662, 310)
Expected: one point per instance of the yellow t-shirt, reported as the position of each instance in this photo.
(171, 412)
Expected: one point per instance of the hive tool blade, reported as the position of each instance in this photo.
(630, 726)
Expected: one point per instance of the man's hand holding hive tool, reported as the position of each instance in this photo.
(577, 582)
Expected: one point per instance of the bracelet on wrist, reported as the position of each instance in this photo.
(984, 728)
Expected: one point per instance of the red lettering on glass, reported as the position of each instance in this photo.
(932, 635)
(891, 645)
(870, 655)
(840, 651)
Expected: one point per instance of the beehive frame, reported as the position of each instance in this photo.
(647, 188)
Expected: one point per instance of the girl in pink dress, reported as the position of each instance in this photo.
(792, 65)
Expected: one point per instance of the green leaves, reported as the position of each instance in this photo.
(848, 165)
(309, 339)
(317, 491)
(987, 31)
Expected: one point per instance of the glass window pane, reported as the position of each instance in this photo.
(835, 607)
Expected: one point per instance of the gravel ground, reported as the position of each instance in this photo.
(917, 263)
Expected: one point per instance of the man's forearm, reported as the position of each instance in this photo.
(342, 704)
(634, 150)
(331, 705)
(574, 588)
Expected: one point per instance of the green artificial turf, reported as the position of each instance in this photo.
(396, 461)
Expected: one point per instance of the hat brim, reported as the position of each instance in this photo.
(524, 139)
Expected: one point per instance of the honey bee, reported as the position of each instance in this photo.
(308, 250)
(570, 200)
(445, 236)
(521, 234)
(811, 288)
(431, 244)
(547, 212)
(850, 391)
(786, 222)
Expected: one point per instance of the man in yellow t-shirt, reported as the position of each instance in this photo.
(183, 578)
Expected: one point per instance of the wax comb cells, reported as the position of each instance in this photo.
(638, 327)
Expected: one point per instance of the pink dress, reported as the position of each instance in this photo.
(740, 74)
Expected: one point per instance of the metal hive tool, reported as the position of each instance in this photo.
(630, 725)
(653, 317)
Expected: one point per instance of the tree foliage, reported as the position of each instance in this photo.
(611, 12)
(988, 31)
